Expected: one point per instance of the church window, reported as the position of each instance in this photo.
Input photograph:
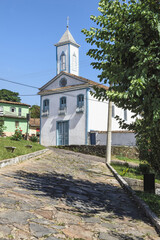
(74, 62)
(80, 100)
(63, 82)
(63, 61)
(46, 105)
(63, 103)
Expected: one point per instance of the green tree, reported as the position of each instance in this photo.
(9, 95)
(126, 44)
(35, 111)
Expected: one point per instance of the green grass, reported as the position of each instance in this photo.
(152, 200)
(20, 148)
(129, 172)
(126, 159)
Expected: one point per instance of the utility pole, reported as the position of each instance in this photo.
(109, 128)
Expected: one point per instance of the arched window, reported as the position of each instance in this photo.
(46, 105)
(74, 62)
(80, 100)
(63, 103)
(63, 61)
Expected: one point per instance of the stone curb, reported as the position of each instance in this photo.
(152, 216)
(21, 158)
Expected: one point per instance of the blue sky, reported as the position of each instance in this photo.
(28, 31)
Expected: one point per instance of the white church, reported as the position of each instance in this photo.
(69, 113)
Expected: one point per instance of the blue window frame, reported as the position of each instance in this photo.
(63, 61)
(80, 100)
(63, 103)
(46, 105)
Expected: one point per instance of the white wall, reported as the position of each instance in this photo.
(77, 121)
(98, 115)
(118, 139)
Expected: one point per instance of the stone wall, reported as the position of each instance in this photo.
(99, 150)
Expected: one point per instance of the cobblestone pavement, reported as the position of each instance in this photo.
(66, 195)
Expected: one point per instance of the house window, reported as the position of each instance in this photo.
(13, 109)
(19, 112)
(63, 61)
(113, 111)
(80, 100)
(125, 114)
(74, 62)
(46, 105)
(62, 103)
(16, 124)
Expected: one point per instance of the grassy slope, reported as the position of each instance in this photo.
(130, 172)
(118, 157)
(20, 148)
(152, 200)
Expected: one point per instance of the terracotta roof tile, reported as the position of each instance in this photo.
(15, 103)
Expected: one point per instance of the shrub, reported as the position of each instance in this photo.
(17, 135)
(144, 168)
(33, 139)
(2, 128)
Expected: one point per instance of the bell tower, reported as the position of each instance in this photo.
(67, 54)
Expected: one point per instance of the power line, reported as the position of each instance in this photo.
(29, 95)
(26, 85)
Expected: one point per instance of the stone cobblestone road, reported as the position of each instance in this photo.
(67, 195)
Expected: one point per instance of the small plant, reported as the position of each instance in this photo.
(2, 128)
(124, 171)
(17, 135)
(33, 139)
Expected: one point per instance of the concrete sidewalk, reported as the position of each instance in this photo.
(67, 195)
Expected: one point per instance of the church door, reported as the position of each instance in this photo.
(63, 133)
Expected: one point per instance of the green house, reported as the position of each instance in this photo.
(14, 116)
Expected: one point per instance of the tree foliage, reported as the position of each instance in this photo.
(126, 50)
(9, 95)
(35, 111)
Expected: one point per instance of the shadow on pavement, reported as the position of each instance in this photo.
(85, 196)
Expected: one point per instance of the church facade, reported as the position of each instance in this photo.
(69, 113)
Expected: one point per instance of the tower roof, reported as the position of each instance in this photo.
(67, 38)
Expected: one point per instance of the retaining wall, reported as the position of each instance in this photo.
(99, 150)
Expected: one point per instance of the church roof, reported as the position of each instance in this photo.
(67, 38)
(85, 83)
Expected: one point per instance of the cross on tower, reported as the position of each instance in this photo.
(67, 22)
